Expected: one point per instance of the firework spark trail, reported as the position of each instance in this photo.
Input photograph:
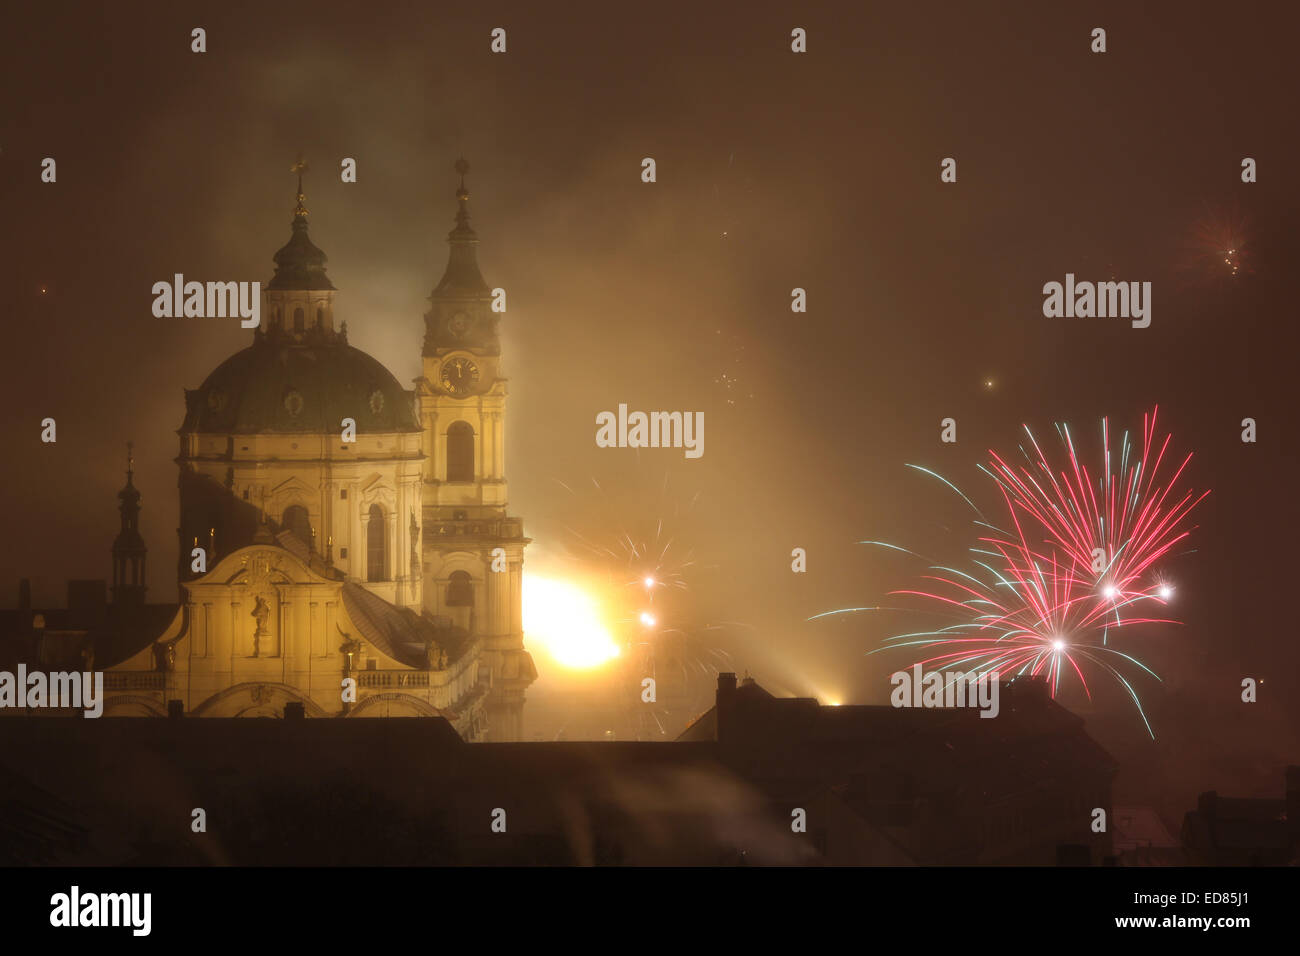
(1031, 618)
(1033, 603)
(647, 565)
(653, 557)
(1133, 525)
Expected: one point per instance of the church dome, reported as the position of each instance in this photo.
(273, 386)
(304, 380)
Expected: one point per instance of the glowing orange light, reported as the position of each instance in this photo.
(566, 621)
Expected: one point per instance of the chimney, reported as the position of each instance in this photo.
(37, 640)
(24, 595)
(725, 705)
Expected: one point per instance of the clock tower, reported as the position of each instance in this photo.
(472, 550)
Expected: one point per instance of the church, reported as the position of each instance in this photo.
(328, 571)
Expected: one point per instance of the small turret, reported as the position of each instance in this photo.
(299, 307)
(128, 547)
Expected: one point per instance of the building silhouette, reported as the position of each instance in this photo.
(1238, 831)
(756, 780)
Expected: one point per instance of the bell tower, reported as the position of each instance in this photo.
(472, 549)
(462, 357)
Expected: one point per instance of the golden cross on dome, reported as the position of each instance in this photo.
(299, 167)
(462, 167)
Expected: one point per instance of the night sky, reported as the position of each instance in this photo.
(775, 170)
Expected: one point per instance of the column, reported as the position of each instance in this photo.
(490, 622)
(355, 526)
(360, 556)
(390, 537)
(480, 451)
(501, 444)
(516, 596)
(282, 638)
(234, 636)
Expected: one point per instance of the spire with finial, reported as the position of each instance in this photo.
(462, 229)
(299, 265)
(128, 547)
(462, 277)
(129, 496)
(299, 167)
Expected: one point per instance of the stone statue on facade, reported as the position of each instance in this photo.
(261, 611)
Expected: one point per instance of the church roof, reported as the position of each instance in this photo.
(399, 632)
(272, 387)
(116, 632)
(462, 278)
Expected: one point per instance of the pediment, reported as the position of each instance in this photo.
(259, 565)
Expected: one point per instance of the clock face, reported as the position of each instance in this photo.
(459, 376)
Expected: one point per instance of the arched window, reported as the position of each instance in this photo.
(320, 318)
(376, 552)
(460, 452)
(460, 590)
(296, 519)
(298, 320)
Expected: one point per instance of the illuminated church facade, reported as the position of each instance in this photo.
(345, 543)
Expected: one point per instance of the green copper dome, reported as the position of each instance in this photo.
(273, 386)
(305, 381)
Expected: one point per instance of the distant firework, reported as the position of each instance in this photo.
(1046, 597)
(630, 536)
(643, 558)
(1218, 248)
